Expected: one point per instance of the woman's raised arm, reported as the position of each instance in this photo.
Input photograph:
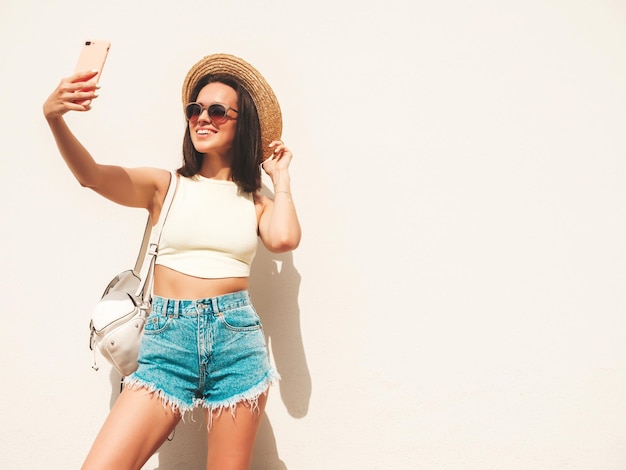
(134, 187)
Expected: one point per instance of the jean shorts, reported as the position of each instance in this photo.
(208, 352)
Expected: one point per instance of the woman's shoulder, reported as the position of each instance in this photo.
(152, 181)
(152, 176)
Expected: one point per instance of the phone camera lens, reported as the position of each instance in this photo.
(87, 43)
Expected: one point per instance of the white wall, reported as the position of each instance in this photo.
(458, 298)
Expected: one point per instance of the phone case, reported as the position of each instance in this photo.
(92, 56)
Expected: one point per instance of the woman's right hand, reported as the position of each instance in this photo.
(74, 93)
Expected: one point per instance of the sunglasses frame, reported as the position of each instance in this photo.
(206, 108)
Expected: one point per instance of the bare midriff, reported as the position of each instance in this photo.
(176, 285)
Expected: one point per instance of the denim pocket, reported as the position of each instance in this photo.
(157, 323)
(241, 319)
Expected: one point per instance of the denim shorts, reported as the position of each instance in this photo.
(208, 352)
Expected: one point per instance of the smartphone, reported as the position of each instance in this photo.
(92, 56)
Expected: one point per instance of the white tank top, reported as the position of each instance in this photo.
(210, 230)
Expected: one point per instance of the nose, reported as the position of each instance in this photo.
(205, 111)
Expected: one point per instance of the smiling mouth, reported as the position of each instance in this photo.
(205, 132)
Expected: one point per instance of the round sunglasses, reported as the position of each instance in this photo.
(217, 112)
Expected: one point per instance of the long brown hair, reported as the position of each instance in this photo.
(247, 151)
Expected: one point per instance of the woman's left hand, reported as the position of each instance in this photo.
(279, 160)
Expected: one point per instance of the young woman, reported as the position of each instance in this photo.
(203, 344)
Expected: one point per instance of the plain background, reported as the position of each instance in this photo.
(458, 298)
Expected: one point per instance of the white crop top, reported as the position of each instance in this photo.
(210, 230)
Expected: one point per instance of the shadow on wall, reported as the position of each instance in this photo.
(275, 285)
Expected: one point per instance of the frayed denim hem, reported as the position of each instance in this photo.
(250, 398)
(174, 404)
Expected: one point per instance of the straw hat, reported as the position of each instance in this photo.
(266, 103)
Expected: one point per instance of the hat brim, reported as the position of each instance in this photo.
(270, 116)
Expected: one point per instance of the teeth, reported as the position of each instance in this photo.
(205, 132)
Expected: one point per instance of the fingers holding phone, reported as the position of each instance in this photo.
(76, 92)
(84, 87)
(72, 94)
(93, 55)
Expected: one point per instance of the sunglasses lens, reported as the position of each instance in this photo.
(193, 110)
(217, 113)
